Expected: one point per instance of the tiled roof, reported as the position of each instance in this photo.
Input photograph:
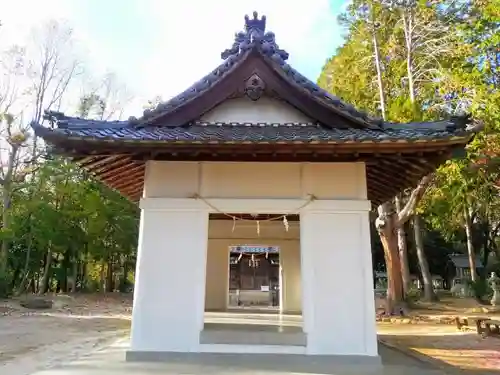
(462, 261)
(247, 132)
(256, 38)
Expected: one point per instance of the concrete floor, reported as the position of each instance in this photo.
(111, 361)
(235, 325)
(258, 327)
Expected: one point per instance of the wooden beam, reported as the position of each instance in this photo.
(127, 174)
(98, 161)
(115, 168)
(129, 180)
(123, 172)
(135, 189)
(389, 171)
(110, 166)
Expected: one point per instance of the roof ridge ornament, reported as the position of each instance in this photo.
(255, 36)
(255, 26)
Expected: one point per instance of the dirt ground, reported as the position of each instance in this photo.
(34, 340)
(465, 353)
(442, 345)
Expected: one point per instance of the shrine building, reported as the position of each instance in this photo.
(254, 153)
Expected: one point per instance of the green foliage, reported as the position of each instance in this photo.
(83, 226)
(92, 105)
(473, 85)
(454, 63)
(481, 289)
(413, 295)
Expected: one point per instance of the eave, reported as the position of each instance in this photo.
(391, 166)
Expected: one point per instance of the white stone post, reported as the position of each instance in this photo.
(337, 283)
(169, 295)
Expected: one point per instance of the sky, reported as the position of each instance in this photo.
(161, 47)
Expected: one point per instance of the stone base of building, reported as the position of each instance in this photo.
(249, 357)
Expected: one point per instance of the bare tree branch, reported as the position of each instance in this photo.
(415, 197)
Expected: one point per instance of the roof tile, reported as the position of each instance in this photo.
(252, 132)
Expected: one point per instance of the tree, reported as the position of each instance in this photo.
(8, 175)
(48, 242)
(91, 105)
(106, 99)
(12, 71)
(427, 43)
(52, 67)
(389, 222)
(429, 294)
(394, 63)
(466, 192)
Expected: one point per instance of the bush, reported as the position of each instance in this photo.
(5, 285)
(413, 295)
(481, 289)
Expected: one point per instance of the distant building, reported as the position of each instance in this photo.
(459, 268)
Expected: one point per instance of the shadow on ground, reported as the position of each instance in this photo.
(111, 361)
(464, 354)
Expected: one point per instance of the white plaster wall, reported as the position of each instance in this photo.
(170, 278)
(247, 231)
(265, 110)
(254, 180)
(337, 283)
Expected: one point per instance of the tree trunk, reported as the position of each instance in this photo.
(386, 225)
(109, 276)
(102, 275)
(33, 283)
(7, 202)
(124, 280)
(6, 216)
(470, 244)
(37, 282)
(408, 30)
(65, 274)
(429, 294)
(74, 273)
(22, 285)
(14, 278)
(83, 280)
(46, 272)
(403, 249)
(486, 248)
(380, 82)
